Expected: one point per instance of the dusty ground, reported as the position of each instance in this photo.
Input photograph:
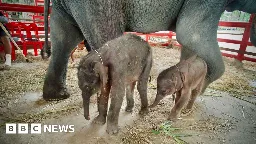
(226, 113)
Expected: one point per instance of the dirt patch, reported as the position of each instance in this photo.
(216, 118)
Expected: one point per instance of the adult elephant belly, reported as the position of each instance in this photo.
(151, 15)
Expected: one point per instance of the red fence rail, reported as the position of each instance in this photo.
(243, 44)
(240, 54)
(149, 38)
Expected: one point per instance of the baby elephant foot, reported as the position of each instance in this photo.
(144, 111)
(173, 116)
(129, 108)
(101, 120)
(112, 129)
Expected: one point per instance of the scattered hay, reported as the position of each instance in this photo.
(233, 84)
(250, 66)
(34, 58)
(79, 53)
(39, 117)
(234, 81)
(20, 58)
(26, 78)
(136, 135)
(29, 77)
(153, 128)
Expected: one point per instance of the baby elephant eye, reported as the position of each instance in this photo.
(93, 82)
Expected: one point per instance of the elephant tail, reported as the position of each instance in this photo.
(46, 49)
(253, 31)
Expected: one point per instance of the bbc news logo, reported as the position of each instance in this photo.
(36, 128)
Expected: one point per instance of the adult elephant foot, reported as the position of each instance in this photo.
(62, 44)
(51, 93)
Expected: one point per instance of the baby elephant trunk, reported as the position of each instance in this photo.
(86, 102)
(157, 100)
(86, 110)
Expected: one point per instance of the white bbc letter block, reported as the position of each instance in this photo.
(10, 128)
(35, 128)
(22, 128)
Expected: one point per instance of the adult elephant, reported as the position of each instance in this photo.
(98, 21)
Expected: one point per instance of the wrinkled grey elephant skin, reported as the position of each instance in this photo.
(98, 21)
(253, 32)
(186, 80)
(126, 60)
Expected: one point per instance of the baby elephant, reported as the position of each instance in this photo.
(186, 79)
(116, 66)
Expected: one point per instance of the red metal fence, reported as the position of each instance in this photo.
(243, 44)
(240, 54)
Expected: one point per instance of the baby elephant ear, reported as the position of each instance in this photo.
(100, 69)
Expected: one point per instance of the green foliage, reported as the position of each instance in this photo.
(10, 1)
(167, 129)
(235, 16)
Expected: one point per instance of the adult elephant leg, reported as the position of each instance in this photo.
(64, 37)
(197, 32)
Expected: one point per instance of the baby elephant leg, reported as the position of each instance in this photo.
(186, 111)
(142, 88)
(184, 97)
(143, 85)
(178, 94)
(129, 96)
(194, 94)
(103, 106)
